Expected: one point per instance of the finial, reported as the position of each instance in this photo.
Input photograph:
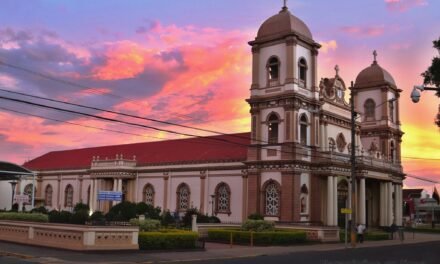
(375, 56)
(284, 5)
(337, 69)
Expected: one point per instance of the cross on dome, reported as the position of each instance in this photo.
(375, 56)
(284, 5)
(337, 69)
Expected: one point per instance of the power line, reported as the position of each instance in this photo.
(422, 178)
(76, 124)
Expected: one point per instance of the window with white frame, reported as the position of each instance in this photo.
(48, 195)
(183, 197)
(272, 199)
(148, 194)
(223, 198)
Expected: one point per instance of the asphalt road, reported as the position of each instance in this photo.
(423, 253)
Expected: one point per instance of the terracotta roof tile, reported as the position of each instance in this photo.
(207, 149)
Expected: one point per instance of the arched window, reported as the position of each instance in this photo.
(340, 142)
(392, 152)
(28, 191)
(303, 124)
(223, 198)
(370, 109)
(183, 197)
(148, 194)
(272, 125)
(272, 198)
(302, 68)
(88, 195)
(273, 69)
(48, 195)
(331, 144)
(391, 108)
(304, 199)
(68, 196)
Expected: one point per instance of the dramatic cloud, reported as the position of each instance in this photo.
(327, 46)
(404, 5)
(364, 31)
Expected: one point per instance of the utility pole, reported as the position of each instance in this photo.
(353, 169)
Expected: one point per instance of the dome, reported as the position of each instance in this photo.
(282, 24)
(374, 76)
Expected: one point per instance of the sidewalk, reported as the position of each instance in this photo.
(213, 251)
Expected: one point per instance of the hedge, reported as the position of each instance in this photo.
(167, 240)
(423, 230)
(368, 236)
(260, 238)
(34, 217)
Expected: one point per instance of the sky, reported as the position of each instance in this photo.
(188, 62)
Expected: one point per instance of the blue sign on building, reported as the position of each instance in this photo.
(109, 196)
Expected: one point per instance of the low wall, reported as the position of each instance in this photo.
(314, 233)
(73, 237)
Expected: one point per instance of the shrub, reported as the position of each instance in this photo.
(36, 217)
(148, 210)
(146, 225)
(97, 218)
(59, 217)
(81, 207)
(167, 240)
(14, 207)
(260, 238)
(258, 225)
(40, 209)
(255, 216)
(79, 218)
(167, 218)
(122, 212)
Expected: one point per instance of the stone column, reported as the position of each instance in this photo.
(362, 211)
(95, 194)
(330, 201)
(59, 193)
(381, 204)
(314, 69)
(165, 192)
(335, 200)
(244, 194)
(254, 186)
(287, 196)
(390, 203)
(202, 191)
(290, 51)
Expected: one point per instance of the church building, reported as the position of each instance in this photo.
(293, 166)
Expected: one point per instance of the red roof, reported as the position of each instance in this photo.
(231, 147)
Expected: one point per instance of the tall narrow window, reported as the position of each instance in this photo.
(273, 68)
(88, 195)
(302, 68)
(223, 198)
(304, 199)
(68, 196)
(303, 124)
(28, 191)
(391, 108)
(148, 194)
(48, 195)
(272, 198)
(370, 110)
(183, 197)
(392, 152)
(272, 124)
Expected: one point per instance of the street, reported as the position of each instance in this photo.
(420, 253)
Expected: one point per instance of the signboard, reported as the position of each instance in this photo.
(109, 196)
(21, 198)
(345, 211)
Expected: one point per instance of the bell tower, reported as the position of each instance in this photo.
(377, 101)
(284, 102)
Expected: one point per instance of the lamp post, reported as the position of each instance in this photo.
(13, 184)
(353, 169)
(212, 204)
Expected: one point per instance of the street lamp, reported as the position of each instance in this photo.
(13, 184)
(212, 203)
(415, 94)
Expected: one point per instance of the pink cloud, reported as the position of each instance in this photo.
(364, 31)
(403, 5)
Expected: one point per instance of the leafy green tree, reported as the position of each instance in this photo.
(432, 75)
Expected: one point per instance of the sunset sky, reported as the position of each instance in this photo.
(189, 62)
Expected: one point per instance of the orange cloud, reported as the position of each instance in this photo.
(326, 46)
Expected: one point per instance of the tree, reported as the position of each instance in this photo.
(432, 75)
